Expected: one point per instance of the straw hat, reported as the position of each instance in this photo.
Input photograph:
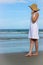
(34, 7)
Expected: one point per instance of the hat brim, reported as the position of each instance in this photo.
(33, 9)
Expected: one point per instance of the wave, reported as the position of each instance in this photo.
(15, 38)
(16, 30)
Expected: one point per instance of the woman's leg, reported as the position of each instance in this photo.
(31, 47)
(36, 47)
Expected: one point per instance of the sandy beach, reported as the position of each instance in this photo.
(20, 59)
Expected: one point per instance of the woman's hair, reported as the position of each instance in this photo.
(35, 11)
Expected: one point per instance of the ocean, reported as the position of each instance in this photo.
(16, 40)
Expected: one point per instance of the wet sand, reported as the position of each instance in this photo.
(20, 59)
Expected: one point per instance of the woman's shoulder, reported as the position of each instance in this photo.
(36, 14)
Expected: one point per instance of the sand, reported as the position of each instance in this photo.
(20, 59)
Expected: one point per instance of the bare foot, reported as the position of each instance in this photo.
(28, 54)
(35, 54)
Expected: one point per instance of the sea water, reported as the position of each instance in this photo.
(12, 41)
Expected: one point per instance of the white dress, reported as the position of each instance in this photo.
(33, 30)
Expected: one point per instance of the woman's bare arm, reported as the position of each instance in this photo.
(34, 18)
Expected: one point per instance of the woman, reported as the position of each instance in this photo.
(33, 31)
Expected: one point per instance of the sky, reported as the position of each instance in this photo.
(15, 14)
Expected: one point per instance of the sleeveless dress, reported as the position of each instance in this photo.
(33, 30)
